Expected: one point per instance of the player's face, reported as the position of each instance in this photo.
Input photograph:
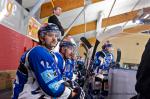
(110, 49)
(50, 40)
(69, 51)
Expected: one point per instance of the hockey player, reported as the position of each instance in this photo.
(104, 58)
(39, 76)
(66, 49)
(103, 61)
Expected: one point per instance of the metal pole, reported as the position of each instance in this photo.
(70, 26)
(35, 8)
(84, 23)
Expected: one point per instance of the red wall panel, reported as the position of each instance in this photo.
(12, 46)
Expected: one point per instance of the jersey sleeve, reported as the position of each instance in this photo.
(97, 61)
(21, 77)
(46, 72)
(60, 62)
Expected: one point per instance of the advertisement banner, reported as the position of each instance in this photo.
(33, 27)
(10, 14)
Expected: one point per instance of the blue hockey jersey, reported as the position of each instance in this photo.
(39, 75)
(108, 59)
(68, 69)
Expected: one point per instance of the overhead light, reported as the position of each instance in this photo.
(145, 21)
(143, 16)
(146, 16)
(137, 21)
(144, 13)
(142, 21)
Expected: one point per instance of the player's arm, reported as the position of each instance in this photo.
(42, 65)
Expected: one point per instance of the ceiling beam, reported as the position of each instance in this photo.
(105, 22)
(66, 5)
(137, 29)
(127, 31)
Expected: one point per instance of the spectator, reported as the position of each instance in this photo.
(54, 19)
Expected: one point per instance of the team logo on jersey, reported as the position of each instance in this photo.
(48, 75)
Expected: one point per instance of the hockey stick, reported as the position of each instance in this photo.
(88, 47)
(86, 42)
(118, 58)
(118, 55)
(101, 36)
(95, 48)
